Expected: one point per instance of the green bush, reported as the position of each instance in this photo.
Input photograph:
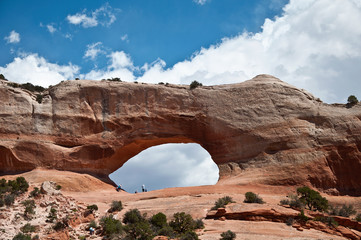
(39, 98)
(344, 211)
(358, 217)
(229, 235)
(2, 203)
(302, 216)
(18, 186)
(21, 236)
(92, 224)
(222, 202)
(159, 220)
(190, 235)
(198, 224)
(92, 208)
(35, 193)
(29, 208)
(166, 231)
(251, 197)
(328, 220)
(116, 206)
(133, 216)
(58, 187)
(9, 199)
(2, 77)
(289, 221)
(111, 226)
(27, 228)
(28, 86)
(182, 222)
(139, 230)
(52, 215)
(352, 100)
(195, 84)
(293, 202)
(60, 225)
(312, 199)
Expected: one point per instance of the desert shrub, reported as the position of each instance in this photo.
(166, 231)
(52, 215)
(35, 193)
(344, 211)
(133, 216)
(18, 186)
(229, 235)
(328, 220)
(58, 187)
(161, 83)
(190, 235)
(198, 224)
(2, 203)
(116, 79)
(39, 98)
(222, 202)
(60, 225)
(111, 226)
(289, 221)
(285, 202)
(139, 230)
(302, 216)
(251, 197)
(2, 77)
(92, 208)
(116, 206)
(27, 86)
(195, 84)
(9, 199)
(92, 224)
(312, 199)
(29, 208)
(159, 220)
(21, 236)
(182, 222)
(358, 217)
(296, 202)
(352, 100)
(27, 228)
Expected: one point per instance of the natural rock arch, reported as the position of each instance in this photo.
(262, 125)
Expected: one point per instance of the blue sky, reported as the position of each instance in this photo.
(312, 44)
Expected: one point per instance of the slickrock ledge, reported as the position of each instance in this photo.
(282, 134)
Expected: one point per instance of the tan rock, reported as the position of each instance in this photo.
(259, 131)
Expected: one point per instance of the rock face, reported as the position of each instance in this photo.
(261, 125)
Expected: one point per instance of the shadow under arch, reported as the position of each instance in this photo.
(167, 165)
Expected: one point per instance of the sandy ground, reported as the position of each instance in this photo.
(196, 201)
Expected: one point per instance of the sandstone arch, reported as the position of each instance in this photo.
(262, 125)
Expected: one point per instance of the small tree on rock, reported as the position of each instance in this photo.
(352, 100)
(312, 199)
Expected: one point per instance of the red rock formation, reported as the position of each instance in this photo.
(262, 125)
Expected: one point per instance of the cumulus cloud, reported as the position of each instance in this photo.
(312, 45)
(155, 166)
(105, 16)
(93, 50)
(13, 37)
(120, 65)
(37, 70)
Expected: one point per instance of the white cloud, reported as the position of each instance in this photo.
(37, 70)
(312, 45)
(51, 28)
(104, 16)
(13, 37)
(200, 2)
(93, 50)
(120, 65)
(124, 38)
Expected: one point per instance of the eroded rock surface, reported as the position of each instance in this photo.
(263, 125)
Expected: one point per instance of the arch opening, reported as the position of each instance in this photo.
(165, 166)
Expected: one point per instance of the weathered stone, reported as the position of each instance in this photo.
(263, 125)
(49, 188)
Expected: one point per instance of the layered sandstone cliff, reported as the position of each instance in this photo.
(262, 125)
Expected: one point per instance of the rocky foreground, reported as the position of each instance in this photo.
(263, 131)
(248, 220)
